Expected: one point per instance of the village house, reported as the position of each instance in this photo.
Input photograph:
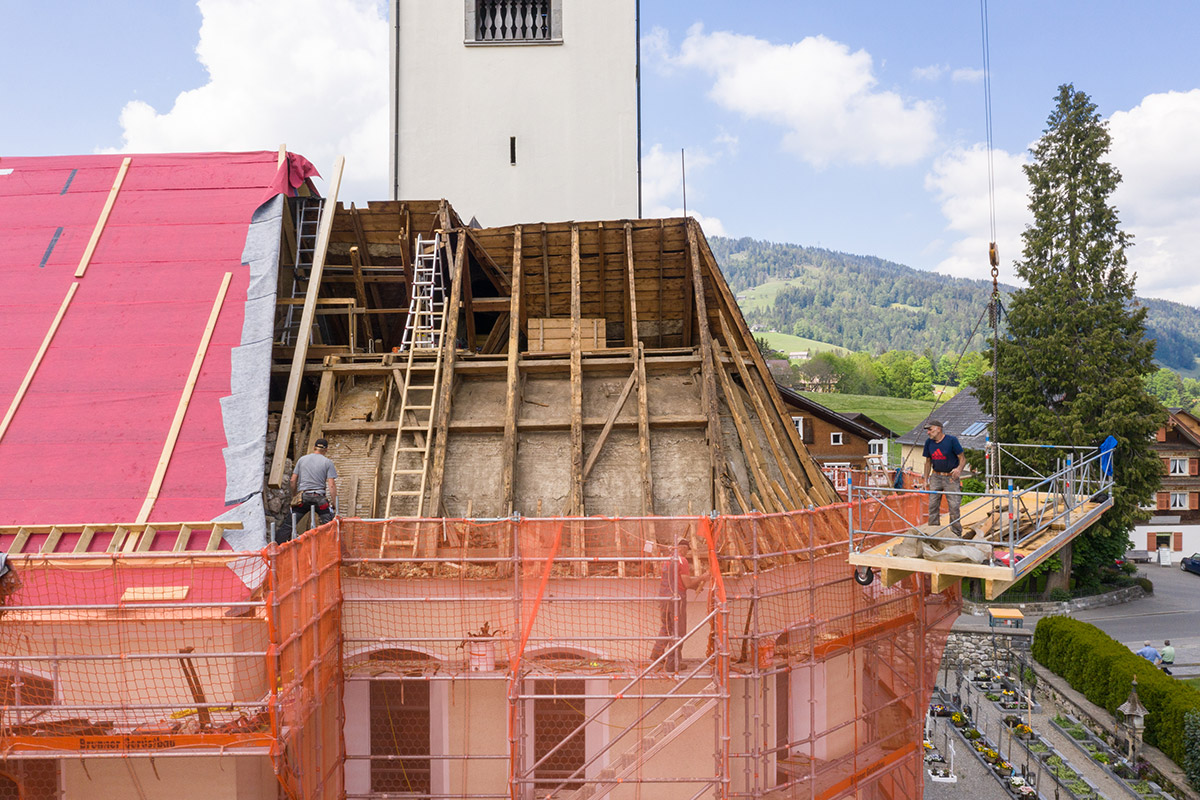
(1175, 524)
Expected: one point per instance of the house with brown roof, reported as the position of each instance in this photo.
(837, 441)
(1176, 521)
(961, 416)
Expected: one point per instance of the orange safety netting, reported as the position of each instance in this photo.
(507, 658)
(811, 685)
(134, 652)
(306, 635)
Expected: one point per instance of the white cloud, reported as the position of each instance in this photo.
(1154, 147)
(309, 73)
(656, 49)
(966, 75)
(959, 179)
(930, 73)
(823, 95)
(662, 185)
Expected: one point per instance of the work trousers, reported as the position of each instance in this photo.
(940, 482)
(308, 500)
(674, 626)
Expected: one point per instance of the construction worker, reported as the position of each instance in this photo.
(315, 478)
(944, 458)
(677, 578)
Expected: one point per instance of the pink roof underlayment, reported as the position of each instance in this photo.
(89, 405)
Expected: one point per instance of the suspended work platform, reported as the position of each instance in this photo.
(1005, 533)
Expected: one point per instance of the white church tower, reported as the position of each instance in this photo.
(516, 110)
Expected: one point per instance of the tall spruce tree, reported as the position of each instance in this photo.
(1071, 367)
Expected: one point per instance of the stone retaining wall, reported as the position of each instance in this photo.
(977, 650)
(1114, 598)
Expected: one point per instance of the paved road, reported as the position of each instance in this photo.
(1172, 612)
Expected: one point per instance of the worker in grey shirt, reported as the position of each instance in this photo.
(315, 478)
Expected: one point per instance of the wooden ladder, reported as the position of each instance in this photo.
(419, 386)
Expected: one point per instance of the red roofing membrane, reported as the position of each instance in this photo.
(86, 439)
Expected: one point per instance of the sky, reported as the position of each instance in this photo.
(852, 125)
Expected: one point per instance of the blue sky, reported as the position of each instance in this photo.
(853, 125)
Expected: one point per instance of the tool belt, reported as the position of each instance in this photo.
(319, 498)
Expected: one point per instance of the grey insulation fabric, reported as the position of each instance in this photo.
(244, 411)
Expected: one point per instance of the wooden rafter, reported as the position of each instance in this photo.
(782, 457)
(709, 388)
(512, 383)
(640, 354)
(576, 502)
(545, 271)
(296, 375)
(442, 409)
(487, 264)
(819, 490)
(360, 292)
(749, 439)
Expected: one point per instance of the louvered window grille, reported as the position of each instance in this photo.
(400, 737)
(514, 20)
(29, 779)
(556, 720)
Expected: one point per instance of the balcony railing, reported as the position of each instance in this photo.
(513, 21)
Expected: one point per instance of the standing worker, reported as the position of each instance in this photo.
(677, 578)
(315, 478)
(1166, 657)
(943, 456)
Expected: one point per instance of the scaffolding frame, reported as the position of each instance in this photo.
(794, 681)
(890, 636)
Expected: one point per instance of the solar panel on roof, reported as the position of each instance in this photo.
(974, 429)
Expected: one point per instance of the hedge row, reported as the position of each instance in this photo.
(1102, 669)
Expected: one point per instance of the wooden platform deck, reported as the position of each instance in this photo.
(1044, 531)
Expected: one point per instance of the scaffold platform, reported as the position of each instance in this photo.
(1010, 532)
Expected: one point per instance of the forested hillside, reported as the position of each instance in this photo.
(867, 303)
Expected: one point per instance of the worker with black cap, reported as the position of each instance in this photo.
(315, 479)
(943, 458)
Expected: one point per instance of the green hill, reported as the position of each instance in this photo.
(868, 303)
(786, 343)
(897, 413)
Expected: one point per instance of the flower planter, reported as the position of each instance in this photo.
(481, 655)
(942, 776)
(1115, 760)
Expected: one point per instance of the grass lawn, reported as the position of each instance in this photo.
(897, 413)
(787, 343)
(1193, 682)
(763, 296)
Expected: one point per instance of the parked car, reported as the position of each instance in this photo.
(1191, 563)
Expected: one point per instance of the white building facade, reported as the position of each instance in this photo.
(516, 110)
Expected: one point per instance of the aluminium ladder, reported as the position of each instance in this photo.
(308, 217)
(424, 330)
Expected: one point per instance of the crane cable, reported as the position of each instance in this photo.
(993, 251)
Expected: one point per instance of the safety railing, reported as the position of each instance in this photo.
(1070, 494)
